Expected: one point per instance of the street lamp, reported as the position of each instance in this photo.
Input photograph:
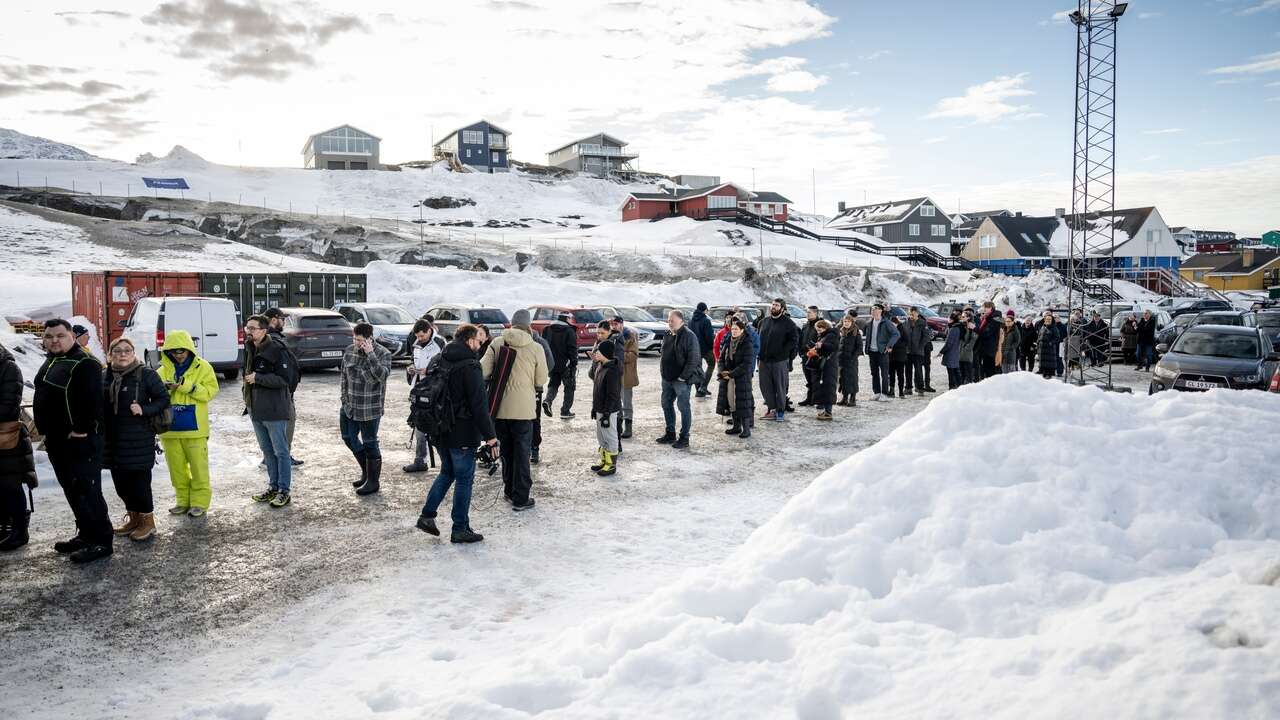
(1118, 10)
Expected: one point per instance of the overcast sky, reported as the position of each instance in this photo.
(968, 103)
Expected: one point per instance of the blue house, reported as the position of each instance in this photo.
(481, 146)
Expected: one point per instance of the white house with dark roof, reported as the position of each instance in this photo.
(600, 154)
(1142, 239)
(916, 221)
(767, 204)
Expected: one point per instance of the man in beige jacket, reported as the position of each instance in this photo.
(513, 420)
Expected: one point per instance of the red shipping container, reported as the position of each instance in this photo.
(107, 297)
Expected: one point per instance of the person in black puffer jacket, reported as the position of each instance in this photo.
(606, 404)
(822, 361)
(132, 394)
(17, 463)
(737, 365)
(899, 359)
(850, 348)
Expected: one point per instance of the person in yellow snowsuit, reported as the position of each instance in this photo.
(192, 384)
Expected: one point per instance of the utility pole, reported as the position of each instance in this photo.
(759, 224)
(813, 179)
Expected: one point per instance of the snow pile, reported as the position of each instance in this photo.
(1019, 549)
(14, 144)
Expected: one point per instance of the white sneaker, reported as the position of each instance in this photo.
(878, 398)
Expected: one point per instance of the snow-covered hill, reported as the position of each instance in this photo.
(16, 145)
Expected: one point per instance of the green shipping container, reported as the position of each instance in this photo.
(251, 292)
(324, 290)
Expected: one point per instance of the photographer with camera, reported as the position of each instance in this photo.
(464, 406)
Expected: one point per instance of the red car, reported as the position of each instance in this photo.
(583, 318)
(936, 322)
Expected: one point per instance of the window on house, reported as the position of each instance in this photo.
(473, 137)
(493, 157)
(468, 152)
(878, 231)
(987, 241)
(926, 210)
(939, 230)
(913, 230)
(721, 201)
(1199, 274)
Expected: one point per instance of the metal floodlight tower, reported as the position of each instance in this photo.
(1093, 186)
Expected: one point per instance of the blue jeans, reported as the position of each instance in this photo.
(1144, 355)
(273, 438)
(458, 468)
(676, 392)
(361, 436)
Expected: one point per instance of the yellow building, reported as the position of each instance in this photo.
(1247, 269)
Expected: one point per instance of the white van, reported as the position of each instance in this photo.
(214, 324)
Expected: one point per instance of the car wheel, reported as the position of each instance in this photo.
(231, 374)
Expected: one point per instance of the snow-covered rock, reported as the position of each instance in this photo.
(16, 145)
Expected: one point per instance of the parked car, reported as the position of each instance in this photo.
(447, 318)
(1201, 305)
(649, 330)
(316, 337)
(214, 324)
(1216, 317)
(946, 308)
(583, 318)
(1268, 322)
(718, 312)
(660, 312)
(1206, 357)
(835, 316)
(392, 325)
(1275, 380)
(1117, 338)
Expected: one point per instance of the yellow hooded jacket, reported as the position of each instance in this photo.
(199, 384)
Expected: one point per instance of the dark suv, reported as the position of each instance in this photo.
(1206, 357)
(1199, 306)
(316, 337)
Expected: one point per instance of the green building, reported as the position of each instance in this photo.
(1271, 238)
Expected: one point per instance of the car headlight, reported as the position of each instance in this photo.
(1246, 378)
(1164, 373)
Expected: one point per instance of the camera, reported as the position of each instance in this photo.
(487, 457)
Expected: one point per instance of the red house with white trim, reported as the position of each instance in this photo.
(695, 203)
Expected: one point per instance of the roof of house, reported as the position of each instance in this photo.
(464, 127)
(1211, 261)
(966, 229)
(1180, 229)
(1029, 236)
(337, 127)
(985, 214)
(878, 213)
(618, 141)
(1128, 221)
(1261, 258)
(679, 195)
(768, 197)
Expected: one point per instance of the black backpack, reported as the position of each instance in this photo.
(289, 368)
(431, 404)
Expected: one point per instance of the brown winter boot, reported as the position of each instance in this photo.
(146, 528)
(131, 520)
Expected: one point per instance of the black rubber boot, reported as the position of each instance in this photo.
(17, 536)
(737, 427)
(364, 470)
(373, 467)
(746, 430)
(626, 429)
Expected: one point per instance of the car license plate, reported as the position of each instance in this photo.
(331, 353)
(1200, 384)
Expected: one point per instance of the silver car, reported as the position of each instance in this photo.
(447, 318)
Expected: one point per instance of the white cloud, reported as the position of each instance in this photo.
(795, 81)
(1272, 99)
(1162, 131)
(1058, 18)
(1150, 15)
(875, 55)
(1273, 84)
(1230, 81)
(1224, 141)
(1261, 7)
(933, 140)
(1259, 64)
(988, 101)
(1149, 158)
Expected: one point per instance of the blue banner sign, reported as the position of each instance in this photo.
(167, 183)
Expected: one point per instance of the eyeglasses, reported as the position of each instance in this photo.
(122, 351)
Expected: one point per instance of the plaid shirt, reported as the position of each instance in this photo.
(364, 382)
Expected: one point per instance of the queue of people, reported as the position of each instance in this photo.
(473, 400)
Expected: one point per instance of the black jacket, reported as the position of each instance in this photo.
(606, 396)
(1048, 337)
(269, 395)
(129, 443)
(700, 324)
(918, 336)
(988, 334)
(17, 464)
(681, 356)
(808, 336)
(563, 339)
(898, 353)
(472, 424)
(850, 349)
(740, 366)
(779, 338)
(826, 366)
(1028, 339)
(1146, 331)
(68, 395)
